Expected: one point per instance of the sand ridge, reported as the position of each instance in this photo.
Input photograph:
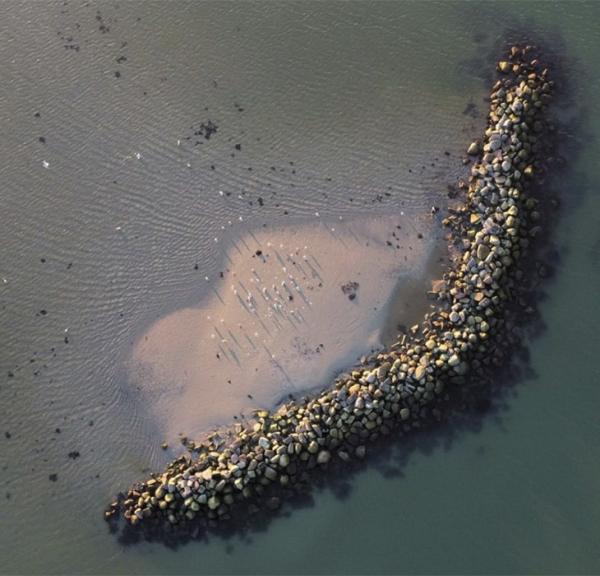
(294, 306)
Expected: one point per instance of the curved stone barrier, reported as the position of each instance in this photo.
(408, 384)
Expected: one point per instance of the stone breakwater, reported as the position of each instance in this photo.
(243, 469)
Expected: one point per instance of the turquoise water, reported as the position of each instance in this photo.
(362, 91)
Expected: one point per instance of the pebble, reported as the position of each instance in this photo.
(270, 473)
(361, 452)
(473, 149)
(323, 457)
(482, 252)
(420, 372)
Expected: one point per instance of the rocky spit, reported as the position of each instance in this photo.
(243, 470)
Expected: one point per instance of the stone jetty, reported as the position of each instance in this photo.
(246, 469)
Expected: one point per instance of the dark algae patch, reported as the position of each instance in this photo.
(350, 289)
(243, 474)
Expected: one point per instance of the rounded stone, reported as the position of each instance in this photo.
(323, 457)
(473, 149)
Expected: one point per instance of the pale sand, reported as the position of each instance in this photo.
(197, 367)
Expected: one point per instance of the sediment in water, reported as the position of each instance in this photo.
(243, 470)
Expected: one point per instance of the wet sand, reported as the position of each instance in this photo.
(294, 306)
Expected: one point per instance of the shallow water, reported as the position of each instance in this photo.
(278, 323)
(337, 108)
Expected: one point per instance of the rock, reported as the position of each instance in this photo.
(313, 447)
(454, 360)
(264, 442)
(437, 286)
(474, 149)
(360, 452)
(383, 370)
(405, 413)
(344, 456)
(213, 502)
(482, 251)
(504, 66)
(284, 460)
(270, 473)
(419, 372)
(323, 457)
(354, 389)
(495, 145)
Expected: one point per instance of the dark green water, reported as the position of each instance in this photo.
(358, 91)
